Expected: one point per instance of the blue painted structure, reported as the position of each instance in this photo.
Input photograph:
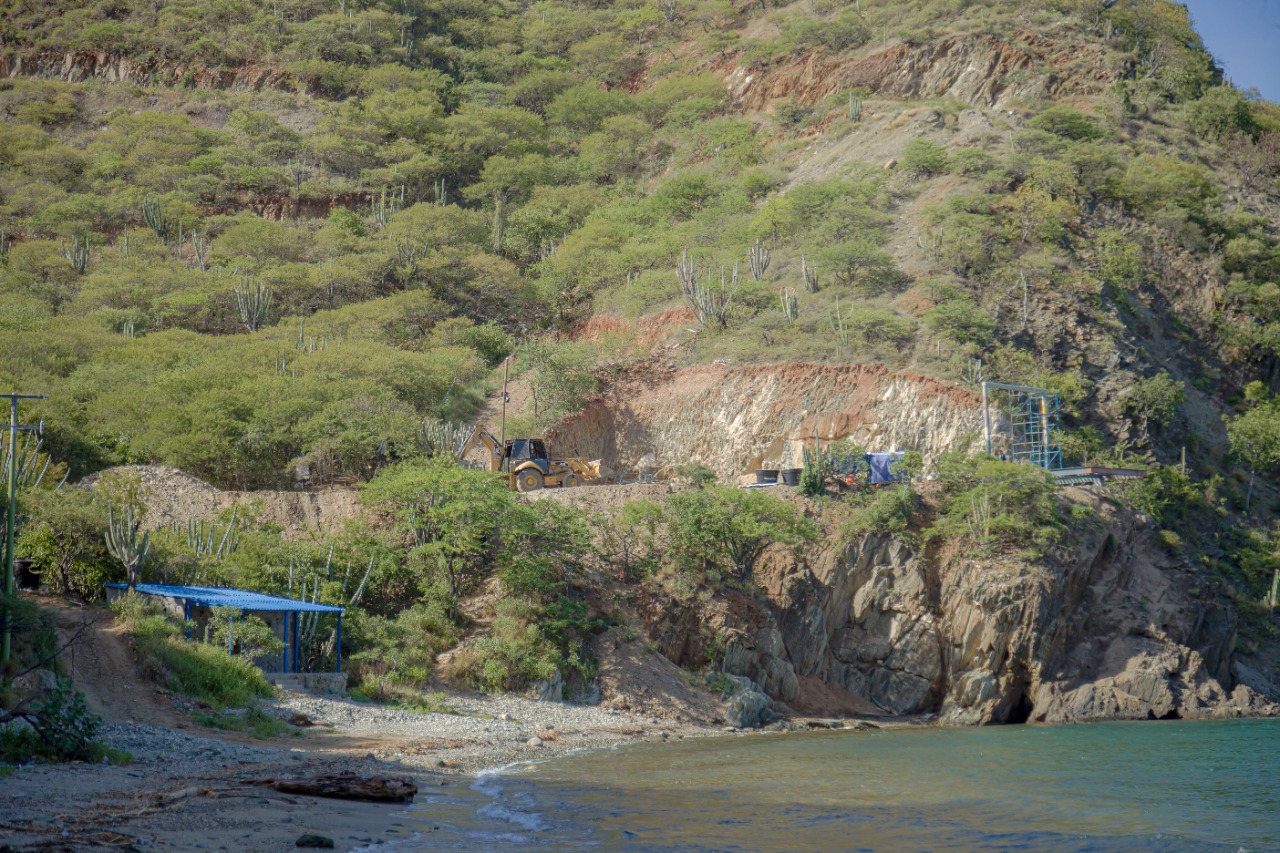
(249, 602)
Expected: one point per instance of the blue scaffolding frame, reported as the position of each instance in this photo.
(1033, 424)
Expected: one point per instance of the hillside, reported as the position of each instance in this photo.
(284, 245)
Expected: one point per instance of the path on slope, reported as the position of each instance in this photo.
(102, 663)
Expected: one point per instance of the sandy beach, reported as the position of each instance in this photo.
(189, 788)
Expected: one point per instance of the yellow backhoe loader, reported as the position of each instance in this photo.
(528, 463)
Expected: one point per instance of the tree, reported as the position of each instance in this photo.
(455, 517)
(63, 534)
(1153, 401)
(718, 522)
(1255, 440)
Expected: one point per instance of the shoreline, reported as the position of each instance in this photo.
(186, 787)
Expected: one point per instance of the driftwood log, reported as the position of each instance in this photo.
(345, 786)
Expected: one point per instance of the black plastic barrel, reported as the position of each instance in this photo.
(766, 475)
(790, 476)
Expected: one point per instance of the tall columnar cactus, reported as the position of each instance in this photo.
(706, 300)
(439, 438)
(124, 544)
(153, 214)
(840, 325)
(253, 302)
(78, 254)
(809, 272)
(386, 205)
(758, 258)
(204, 541)
(790, 303)
(855, 108)
(200, 252)
(1274, 598)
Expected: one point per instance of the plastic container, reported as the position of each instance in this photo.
(766, 475)
(790, 476)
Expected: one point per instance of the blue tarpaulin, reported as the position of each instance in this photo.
(882, 467)
(221, 596)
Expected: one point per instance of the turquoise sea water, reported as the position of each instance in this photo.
(1176, 786)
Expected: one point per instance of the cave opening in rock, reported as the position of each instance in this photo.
(1021, 709)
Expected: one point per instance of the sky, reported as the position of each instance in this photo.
(1244, 36)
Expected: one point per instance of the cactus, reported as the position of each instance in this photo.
(758, 258)
(386, 206)
(840, 325)
(252, 303)
(441, 192)
(974, 374)
(153, 214)
(6, 243)
(706, 302)
(790, 303)
(439, 438)
(933, 245)
(78, 254)
(124, 544)
(31, 465)
(855, 108)
(200, 251)
(809, 272)
(1274, 598)
(203, 539)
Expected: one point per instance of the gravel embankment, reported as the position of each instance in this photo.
(485, 731)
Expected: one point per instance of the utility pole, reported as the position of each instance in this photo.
(502, 438)
(10, 546)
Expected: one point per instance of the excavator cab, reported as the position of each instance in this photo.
(521, 450)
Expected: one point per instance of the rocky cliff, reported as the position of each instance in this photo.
(1116, 629)
(736, 419)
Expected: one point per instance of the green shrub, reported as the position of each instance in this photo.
(996, 504)
(390, 653)
(203, 671)
(61, 729)
(887, 510)
(1068, 123)
(923, 159)
(516, 653)
(723, 527)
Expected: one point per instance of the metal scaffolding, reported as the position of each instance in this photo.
(1032, 424)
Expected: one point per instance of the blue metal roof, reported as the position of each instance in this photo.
(221, 596)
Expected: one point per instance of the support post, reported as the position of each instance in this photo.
(186, 618)
(285, 638)
(502, 436)
(297, 665)
(231, 621)
(337, 647)
(10, 546)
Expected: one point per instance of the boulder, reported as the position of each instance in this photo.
(550, 689)
(747, 709)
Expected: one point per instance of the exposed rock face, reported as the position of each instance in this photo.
(980, 69)
(742, 418)
(103, 65)
(1116, 631)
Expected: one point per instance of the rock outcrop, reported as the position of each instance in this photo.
(736, 419)
(976, 68)
(1116, 630)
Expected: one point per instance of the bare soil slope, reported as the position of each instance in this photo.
(102, 664)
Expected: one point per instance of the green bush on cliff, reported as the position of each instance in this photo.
(727, 528)
(994, 504)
